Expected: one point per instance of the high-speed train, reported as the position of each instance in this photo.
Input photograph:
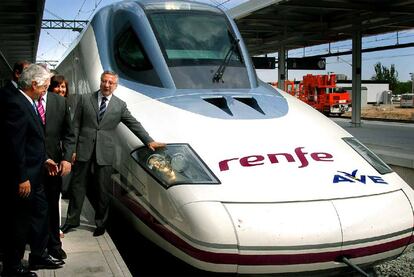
(252, 181)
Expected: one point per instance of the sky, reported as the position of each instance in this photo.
(53, 43)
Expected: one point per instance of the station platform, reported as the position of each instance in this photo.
(87, 255)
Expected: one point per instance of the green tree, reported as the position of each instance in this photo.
(383, 73)
(403, 87)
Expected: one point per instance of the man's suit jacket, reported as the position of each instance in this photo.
(23, 138)
(9, 90)
(6, 93)
(93, 135)
(60, 139)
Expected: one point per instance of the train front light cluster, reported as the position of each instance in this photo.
(175, 164)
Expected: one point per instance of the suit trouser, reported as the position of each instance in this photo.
(17, 232)
(3, 216)
(100, 175)
(28, 223)
(39, 231)
(53, 185)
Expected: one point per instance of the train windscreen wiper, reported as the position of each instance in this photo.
(220, 71)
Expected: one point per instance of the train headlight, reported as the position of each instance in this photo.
(175, 164)
(179, 162)
(368, 155)
(160, 163)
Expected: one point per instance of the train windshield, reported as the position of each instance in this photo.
(195, 44)
(194, 38)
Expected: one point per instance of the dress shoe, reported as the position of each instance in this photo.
(20, 272)
(59, 261)
(36, 263)
(59, 254)
(66, 227)
(99, 231)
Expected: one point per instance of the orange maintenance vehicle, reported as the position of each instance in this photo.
(321, 92)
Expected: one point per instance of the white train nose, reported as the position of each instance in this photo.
(375, 227)
(313, 235)
(286, 237)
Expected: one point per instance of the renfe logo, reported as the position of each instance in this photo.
(299, 156)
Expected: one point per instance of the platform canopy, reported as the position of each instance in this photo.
(266, 25)
(20, 23)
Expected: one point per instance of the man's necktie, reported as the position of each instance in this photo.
(41, 110)
(35, 108)
(102, 108)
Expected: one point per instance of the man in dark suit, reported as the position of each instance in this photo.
(96, 117)
(60, 143)
(24, 151)
(9, 89)
(17, 71)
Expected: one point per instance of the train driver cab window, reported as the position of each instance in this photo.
(195, 44)
(133, 61)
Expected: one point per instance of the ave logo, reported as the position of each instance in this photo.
(352, 178)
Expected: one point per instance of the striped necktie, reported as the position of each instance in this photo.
(102, 108)
(41, 110)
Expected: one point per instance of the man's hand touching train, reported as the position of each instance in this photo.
(154, 145)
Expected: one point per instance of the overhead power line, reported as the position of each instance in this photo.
(80, 9)
(55, 15)
(96, 6)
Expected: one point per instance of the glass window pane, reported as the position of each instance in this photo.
(196, 38)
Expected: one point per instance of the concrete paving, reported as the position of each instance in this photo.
(88, 256)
